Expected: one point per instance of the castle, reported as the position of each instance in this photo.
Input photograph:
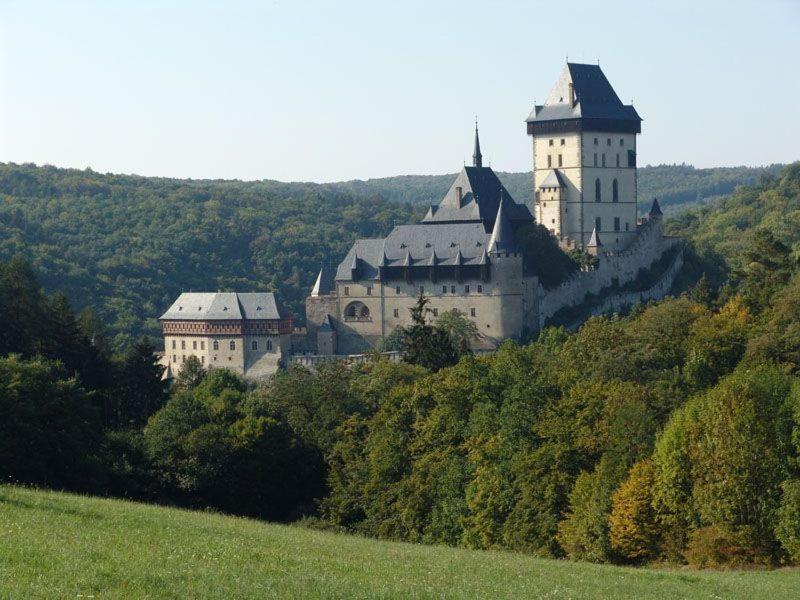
(464, 253)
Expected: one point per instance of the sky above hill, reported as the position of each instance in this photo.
(328, 91)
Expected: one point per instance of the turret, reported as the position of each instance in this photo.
(502, 239)
(477, 158)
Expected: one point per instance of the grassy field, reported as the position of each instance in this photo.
(55, 545)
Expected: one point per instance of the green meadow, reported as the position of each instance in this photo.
(56, 545)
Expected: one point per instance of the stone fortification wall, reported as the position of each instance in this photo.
(622, 301)
(613, 269)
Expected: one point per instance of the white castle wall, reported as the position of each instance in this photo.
(613, 267)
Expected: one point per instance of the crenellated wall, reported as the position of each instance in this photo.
(613, 269)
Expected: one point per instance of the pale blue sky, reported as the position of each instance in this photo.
(327, 91)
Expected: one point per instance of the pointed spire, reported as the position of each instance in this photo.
(477, 158)
(354, 264)
(655, 209)
(323, 284)
(594, 240)
(502, 239)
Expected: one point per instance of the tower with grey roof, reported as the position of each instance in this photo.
(584, 160)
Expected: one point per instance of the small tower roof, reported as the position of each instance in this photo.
(594, 241)
(477, 158)
(432, 259)
(502, 237)
(655, 209)
(324, 283)
(326, 324)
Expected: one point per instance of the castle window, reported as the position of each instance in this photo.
(346, 291)
(466, 289)
(216, 345)
(604, 159)
(396, 313)
(608, 142)
(553, 221)
(480, 289)
(452, 289)
(621, 142)
(596, 142)
(614, 191)
(202, 360)
(550, 142)
(627, 228)
(369, 290)
(597, 197)
(202, 345)
(183, 358)
(254, 345)
(471, 312)
(397, 290)
(549, 161)
(597, 224)
(183, 344)
(595, 159)
(444, 289)
(173, 344)
(617, 159)
(194, 344)
(560, 161)
(616, 224)
(435, 312)
(563, 142)
(631, 158)
(174, 358)
(269, 345)
(232, 345)
(356, 311)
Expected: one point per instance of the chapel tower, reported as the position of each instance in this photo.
(584, 160)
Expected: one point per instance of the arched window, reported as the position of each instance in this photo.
(269, 345)
(614, 191)
(254, 345)
(597, 190)
(216, 345)
(233, 345)
(356, 311)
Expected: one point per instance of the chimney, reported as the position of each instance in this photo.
(459, 195)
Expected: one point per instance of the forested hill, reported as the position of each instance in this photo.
(675, 186)
(127, 245)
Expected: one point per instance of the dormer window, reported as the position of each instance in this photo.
(258, 308)
(199, 308)
(180, 308)
(403, 245)
(427, 244)
(224, 308)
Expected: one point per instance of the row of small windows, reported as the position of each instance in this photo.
(563, 142)
(598, 195)
(550, 161)
(398, 290)
(215, 345)
(608, 141)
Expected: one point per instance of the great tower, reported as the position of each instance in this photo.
(584, 160)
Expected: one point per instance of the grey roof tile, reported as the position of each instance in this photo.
(204, 306)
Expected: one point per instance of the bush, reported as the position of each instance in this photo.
(633, 529)
(718, 545)
(788, 527)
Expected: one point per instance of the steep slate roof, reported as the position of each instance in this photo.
(594, 97)
(481, 191)
(655, 209)
(324, 283)
(200, 306)
(417, 245)
(502, 239)
(554, 179)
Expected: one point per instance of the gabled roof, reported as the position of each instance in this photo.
(592, 97)
(502, 239)
(481, 190)
(194, 306)
(554, 179)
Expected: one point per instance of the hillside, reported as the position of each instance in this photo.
(127, 245)
(61, 545)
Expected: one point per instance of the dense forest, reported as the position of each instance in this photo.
(668, 434)
(126, 246)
